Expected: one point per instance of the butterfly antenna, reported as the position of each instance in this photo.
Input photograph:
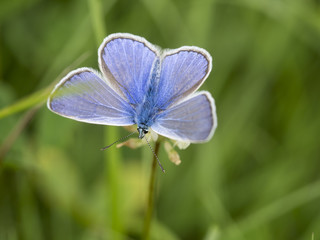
(162, 169)
(117, 141)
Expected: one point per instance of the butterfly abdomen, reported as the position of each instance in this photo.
(147, 110)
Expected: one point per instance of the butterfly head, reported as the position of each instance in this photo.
(142, 130)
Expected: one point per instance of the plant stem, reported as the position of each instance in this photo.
(112, 157)
(40, 96)
(112, 182)
(27, 102)
(96, 12)
(147, 223)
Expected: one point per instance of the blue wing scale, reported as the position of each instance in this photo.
(193, 120)
(83, 96)
(141, 85)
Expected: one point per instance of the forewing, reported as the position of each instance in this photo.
(84, 96)
(126, 60)
(193, 120)
(183, 70)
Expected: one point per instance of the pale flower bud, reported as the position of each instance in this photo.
(172, 154)
(181, 144)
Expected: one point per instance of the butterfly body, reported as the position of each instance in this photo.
(144, 85)
(147, 110)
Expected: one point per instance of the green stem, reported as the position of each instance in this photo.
(39, 96)
(149, 212)
(97, 20)
(25, 103)
(112, 181)
(112, 156)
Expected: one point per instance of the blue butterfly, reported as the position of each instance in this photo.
(144, 85)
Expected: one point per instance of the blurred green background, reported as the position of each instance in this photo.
(258, 178)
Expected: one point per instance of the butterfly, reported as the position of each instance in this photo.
(141, 84)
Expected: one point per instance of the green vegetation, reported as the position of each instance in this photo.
(258, 178)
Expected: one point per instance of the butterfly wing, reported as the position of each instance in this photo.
(127, 60)
(192, 120)
(183, 71)
(84, 96)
